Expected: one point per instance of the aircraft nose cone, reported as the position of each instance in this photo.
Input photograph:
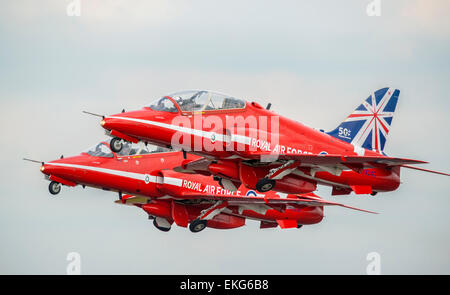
(46, 169)
(103, 123)
(110, 123)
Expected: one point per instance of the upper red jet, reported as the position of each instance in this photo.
(244, 143)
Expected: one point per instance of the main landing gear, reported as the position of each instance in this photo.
(267, 183)
(198, 225)
(54, 187)
(116, 144)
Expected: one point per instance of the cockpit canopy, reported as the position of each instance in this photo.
(100, 150)
(129, 149)
(133, 149)
(197, 100)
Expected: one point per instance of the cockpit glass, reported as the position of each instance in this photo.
(128, 149)
(202, 100)
(134, 149)
(164, 105)
(100, 150)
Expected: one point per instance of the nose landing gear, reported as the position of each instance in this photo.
(54, 187)
(116, 144)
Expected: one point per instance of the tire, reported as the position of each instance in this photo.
(264, 185)
(116, 144)
(198, 225)
(164, 229)
(54, 188)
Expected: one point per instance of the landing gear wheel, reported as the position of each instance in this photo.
(54, 187)
(197, 225)
(265, 184)
(299, 225)
(164, 229)
(116, 144)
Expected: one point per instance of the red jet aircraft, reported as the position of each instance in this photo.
(244, 143)
(140, 177)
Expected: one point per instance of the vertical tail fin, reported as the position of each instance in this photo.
(368, 126)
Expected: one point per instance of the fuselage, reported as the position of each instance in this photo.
(240, 137)
(150, 177)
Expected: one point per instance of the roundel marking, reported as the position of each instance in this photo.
(213, 137)
(251, 194)
(147, 178)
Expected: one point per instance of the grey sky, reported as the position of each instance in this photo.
(314, 60)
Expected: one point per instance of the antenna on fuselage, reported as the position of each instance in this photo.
(268, 106)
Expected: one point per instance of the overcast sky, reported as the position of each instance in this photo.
(315, 61)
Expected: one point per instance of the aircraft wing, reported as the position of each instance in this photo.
(309, 199)
(339, 159)
(299, 200)
(202, 164)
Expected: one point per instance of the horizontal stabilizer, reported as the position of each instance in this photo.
(317, 201)
(425, 170)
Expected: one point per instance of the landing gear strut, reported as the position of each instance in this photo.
(267, 183)
(201, 222)
(54, 187)
(116, 144)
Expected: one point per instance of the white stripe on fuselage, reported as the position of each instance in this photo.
(167, 180)
(132, 175)
(205, 134)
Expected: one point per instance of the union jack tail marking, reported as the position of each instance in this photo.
(368, 126)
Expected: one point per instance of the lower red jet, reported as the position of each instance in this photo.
(144, 178)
